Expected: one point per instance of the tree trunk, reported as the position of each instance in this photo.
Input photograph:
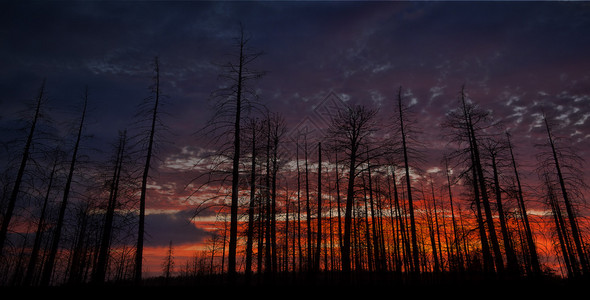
(479, 179)
(146, 169)
(511, 259)
(499, 264)
(308, 212)
(348, 214)
(338, 206)
(275, 169)
(267, 213)
(532, 249)
(415, 255)
(568, 257)
(40, 228)
(16, 189)
(436, 226)
(99, 272)
(250, 234)
(319, 222)
(454, 221)
(49, 264)
(299, 209)
(568, 206)
(376, 247)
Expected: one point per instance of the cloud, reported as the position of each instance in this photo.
(175, 226)
(583, 119)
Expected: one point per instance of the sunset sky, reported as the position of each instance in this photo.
(514, 59)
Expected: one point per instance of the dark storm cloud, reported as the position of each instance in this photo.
(510, 56)
(109, 47)
(161, 228)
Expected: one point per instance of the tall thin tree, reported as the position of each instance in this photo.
(414, 238)
(232, 103)
(100, 269)
(575, 231)
(21, 170)
(532, 248)
(50, 261)
(34, 257)
(145, 174)
(348, 132)
(319, 213)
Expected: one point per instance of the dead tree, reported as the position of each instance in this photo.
(564, 242)
(479, 176)
(34, 257)
(467, 122)
(568, 185)
(349, 131)
(232, 103)
(456, 240)
(531, 247)
(50, 261)
(156, 94)
(254, 127)
(19, 176)
(319, 213)
(277, 132)
(168, 263)
(99, 271)
(403, 133)
(495, 150)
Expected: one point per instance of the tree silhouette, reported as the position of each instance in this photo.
(34, 257)
(100, 268)
(495, 149)
(156, 94)
(50, 261)
(349, 131)
(414, 238)
(531, 247)
(17, 183)
(467, 121)
(558, 159)
(254, 127)
(168, 263)
(231, 105)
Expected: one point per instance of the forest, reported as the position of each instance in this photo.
(353, 203)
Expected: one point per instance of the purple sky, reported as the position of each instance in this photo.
(513, 58)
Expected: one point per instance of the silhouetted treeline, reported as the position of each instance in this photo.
(69, 210)
(356, 201)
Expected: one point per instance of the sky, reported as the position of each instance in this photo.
(514, 58)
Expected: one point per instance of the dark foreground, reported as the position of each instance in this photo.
(332, 285)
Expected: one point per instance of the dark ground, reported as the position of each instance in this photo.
(322, 285)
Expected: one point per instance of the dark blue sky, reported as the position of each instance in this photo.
(513, 58)
(353, 48)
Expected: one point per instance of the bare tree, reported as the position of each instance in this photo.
(254, 127)
(566, 175)
(276, 133)
(349, 131)
(100, 268)
(232, 103)
(168, 263)
(156, 95)
(25, 158)
(531, 247)
(34, 257)
(403, 133)
(319, 214)
(50, 261)
(495, 149)
(468, 121)
(456, 240)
